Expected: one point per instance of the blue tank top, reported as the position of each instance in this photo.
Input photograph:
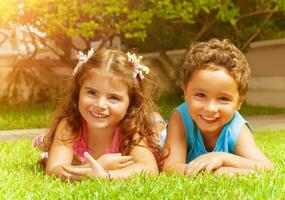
(226, 141)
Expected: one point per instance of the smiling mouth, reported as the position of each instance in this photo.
(98, 115)
(209, 119)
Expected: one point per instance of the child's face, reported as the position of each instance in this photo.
(103, 100)
(212, 97)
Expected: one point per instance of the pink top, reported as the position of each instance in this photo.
(80, 145)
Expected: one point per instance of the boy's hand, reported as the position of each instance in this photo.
(115, 161)
(230, 171)
(206, 162)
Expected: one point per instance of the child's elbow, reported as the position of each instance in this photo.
(269, 166)
(151, 169)
(166, 168)
(265, 165)
(55, 172)
(51, 172)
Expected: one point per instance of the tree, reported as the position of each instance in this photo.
(153, 25)
(170, 24)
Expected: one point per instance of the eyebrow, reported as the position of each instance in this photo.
(226, 94)
(88, 88)
(203, 90)
(198, 89)
(111, 93)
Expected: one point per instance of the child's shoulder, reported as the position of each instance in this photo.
(64, 124)
(63, 127)
(237, 119)
(238, 122)
(176, 121)
(181, 114)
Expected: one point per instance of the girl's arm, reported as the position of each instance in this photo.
(143, 161)
(175, 147)
(60, 153)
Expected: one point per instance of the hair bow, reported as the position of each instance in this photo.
(82, 58)
(138, 68)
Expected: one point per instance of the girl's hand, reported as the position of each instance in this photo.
(115, 161)
(93, 170)
(207, 162)
(67, 174)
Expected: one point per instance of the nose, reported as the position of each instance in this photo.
(212, 106)
(101, 102)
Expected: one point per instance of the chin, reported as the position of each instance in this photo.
(209, 128)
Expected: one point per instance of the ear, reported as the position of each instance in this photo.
(240, 103)
(184, 94)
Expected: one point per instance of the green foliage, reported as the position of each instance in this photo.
(22, 179)
(150, 25)
(134, 19)
(260, 110)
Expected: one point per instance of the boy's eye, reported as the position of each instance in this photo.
(225, 99)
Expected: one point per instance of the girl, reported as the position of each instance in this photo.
(107, 113)
(206, 133)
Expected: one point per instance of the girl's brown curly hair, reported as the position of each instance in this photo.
(137, 120)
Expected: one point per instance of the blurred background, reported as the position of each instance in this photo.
(39, 40)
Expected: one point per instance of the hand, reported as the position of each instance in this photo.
(206, 162)
(67, 174)
(93, 170)
(230, 171)
(114, 161)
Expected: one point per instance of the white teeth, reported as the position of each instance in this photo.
(209, 118)
(97, 115)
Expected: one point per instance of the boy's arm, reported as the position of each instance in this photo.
(60, 153)
(231, 171)
(248, 155)
(175, 147)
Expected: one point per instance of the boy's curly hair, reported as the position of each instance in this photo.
(216, 54)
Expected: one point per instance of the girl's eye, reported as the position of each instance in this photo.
(200, 95)
(91, 92)
(114, 98)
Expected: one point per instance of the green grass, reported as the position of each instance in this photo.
(261, 110)
(39, 116)
(22, 179)
(25, 116)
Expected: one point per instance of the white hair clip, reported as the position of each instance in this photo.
(82, 58)
(138, 68)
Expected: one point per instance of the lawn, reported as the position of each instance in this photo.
(22, 179)
(25, 116)
(39, 116)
